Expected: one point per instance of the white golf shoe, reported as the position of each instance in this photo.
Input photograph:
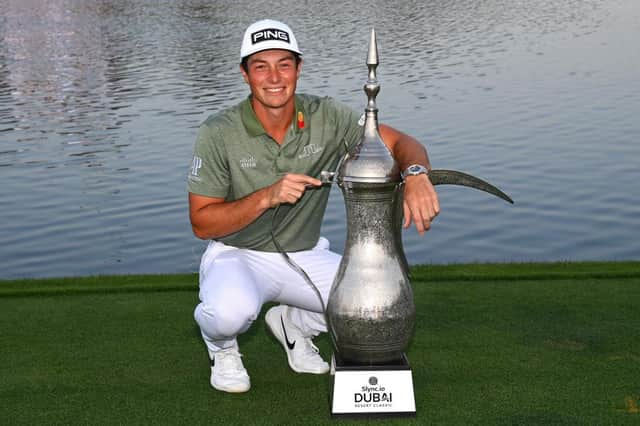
(302, 354)
(227, 372)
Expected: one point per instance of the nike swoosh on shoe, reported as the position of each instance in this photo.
(286, 338)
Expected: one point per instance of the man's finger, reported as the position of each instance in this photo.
(426, 225)
(436, 206)
(419, 221)
(304, 179)
(407, 215)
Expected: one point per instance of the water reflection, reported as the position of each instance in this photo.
(99, 101)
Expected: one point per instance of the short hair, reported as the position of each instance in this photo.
(245, 61)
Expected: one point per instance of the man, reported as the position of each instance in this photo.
(260, 158)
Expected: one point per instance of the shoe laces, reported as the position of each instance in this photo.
(308, 350)
(229, 360)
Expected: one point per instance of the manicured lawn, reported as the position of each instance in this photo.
(494, 344)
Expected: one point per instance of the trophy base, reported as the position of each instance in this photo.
(371, 390)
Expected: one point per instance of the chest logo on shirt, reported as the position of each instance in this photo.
(309, 150)
(248, 162)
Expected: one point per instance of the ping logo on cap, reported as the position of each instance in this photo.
(269, 34)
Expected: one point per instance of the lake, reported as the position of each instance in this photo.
(100, 102)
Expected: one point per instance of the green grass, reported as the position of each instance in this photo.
(494, 344)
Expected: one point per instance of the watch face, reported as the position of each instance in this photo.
(413, 170)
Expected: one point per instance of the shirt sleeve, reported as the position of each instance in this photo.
(209, 171)
(349, 121)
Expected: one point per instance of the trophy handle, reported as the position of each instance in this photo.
(453, 177)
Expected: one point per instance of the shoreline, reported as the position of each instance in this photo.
(475, 272)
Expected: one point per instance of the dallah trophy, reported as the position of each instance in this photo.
(371, 311)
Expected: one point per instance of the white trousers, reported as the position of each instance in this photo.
(235, 283)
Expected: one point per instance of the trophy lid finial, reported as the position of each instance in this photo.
(372, 57)
(370, 161)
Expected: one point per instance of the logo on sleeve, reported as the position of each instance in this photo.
(196, 165)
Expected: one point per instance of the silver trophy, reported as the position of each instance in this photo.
(371, 312)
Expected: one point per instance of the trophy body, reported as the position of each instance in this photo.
(371, 312)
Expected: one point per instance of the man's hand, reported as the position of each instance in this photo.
(289, 189)
(420, 202)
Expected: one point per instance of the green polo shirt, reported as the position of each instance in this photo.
(235, 157)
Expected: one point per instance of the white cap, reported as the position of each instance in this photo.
(268, 34)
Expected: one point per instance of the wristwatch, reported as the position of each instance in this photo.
(413, 170)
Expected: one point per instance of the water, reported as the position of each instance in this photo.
(100, 102)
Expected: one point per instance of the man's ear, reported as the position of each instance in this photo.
(245, 76)
(299, 67)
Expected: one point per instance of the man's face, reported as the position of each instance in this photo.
(272, 76)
